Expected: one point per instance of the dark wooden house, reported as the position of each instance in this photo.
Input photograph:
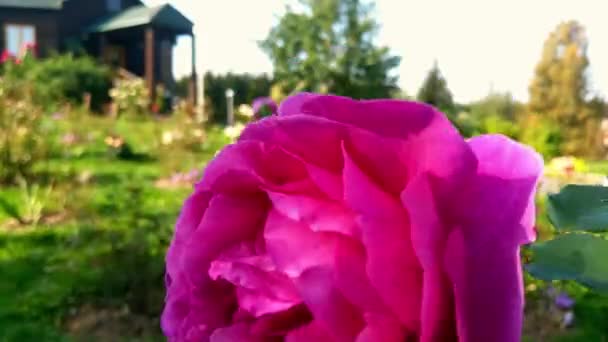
(124, 33)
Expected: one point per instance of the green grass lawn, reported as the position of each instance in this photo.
(93, 268)
(599, 167)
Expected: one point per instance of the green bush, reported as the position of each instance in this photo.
(465, 123)
(68, 78)
(130, 96)
(22, 133)
(494, 124)
(543, 135)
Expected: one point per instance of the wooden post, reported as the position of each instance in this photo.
(193, 94)
(86, 101)
(149, 61)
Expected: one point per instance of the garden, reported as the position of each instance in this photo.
(94, 175)
(88, 206)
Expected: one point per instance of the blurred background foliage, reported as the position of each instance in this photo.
(92, 179)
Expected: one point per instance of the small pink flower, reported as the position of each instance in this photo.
(342, 220)
(6, 56)
(31, 48)
(263, 107)
(57, 116)
(69, 139)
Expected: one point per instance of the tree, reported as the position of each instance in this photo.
(559, 89)
(328, 47)
(496, 104)
(434, 91)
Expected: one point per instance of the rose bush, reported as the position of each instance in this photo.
(343, 220)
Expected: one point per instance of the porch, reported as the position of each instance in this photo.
(140, 40)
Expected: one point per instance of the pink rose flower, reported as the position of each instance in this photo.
(6, 56)
(342, 220)
(31, 48)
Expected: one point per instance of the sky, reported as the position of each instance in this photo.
(480, 45)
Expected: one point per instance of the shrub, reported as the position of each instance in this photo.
(21, 133)
(466, 124)
(68, 78)
(541, 134)
(494, 124)
(130, 96)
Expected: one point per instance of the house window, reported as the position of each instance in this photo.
(18, 37)
(114, 5)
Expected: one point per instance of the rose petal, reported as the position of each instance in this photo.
(329, 307)
(249, 165)
(281, 323)
(373, 153)
(391, 264)
(429, 238)
(227, 221)
(293, 104)
(351, 278)
(482, 255)
(328, 182)
(238, 332)
(438, 321)
(192, 295)
(294, 248)
(310, 332)
(389, 118)
(318, 214)
(432, 142)
(260, 288)
(259, 303)
(382, 328)
(189, 219)
(314, 140)
(488, 290)
(195, 311)
(500, 157)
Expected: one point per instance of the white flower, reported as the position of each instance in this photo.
(568, 319)
(199, 133)
(245, 110)
(22, 131)
(234, 132)
(167, 138)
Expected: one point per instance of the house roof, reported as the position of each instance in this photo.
(37, 4)
(165, 16)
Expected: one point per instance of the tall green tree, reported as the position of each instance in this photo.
(498, 104)
(435, 91)
(328, 46)
(559, 90)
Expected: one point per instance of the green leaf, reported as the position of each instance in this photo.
(580, 207)
(575, 256)
(10, 209)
